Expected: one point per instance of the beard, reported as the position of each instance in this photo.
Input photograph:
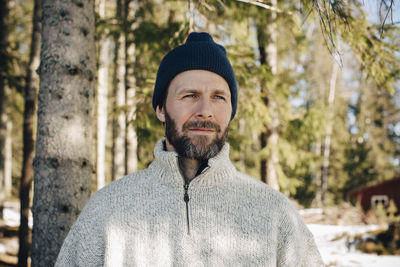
(198, 147)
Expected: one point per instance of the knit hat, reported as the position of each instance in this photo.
(200, 52)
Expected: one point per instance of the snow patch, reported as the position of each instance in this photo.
(335, 251)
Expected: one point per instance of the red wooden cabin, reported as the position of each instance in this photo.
(369, 196)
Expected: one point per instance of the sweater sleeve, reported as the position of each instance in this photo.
(296, 245)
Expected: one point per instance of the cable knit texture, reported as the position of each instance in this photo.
(235, 220)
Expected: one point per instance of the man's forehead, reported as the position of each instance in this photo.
(201, 89)
(199, 80)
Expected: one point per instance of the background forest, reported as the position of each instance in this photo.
(319, 97)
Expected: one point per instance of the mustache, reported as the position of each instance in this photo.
(201, 124)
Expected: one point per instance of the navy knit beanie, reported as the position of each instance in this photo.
(199, 52)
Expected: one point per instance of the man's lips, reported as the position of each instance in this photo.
(202, 130)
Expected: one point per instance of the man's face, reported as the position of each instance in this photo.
(197, 114)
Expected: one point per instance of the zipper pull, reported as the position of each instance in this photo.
(186, 199)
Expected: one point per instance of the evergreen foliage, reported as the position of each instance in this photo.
(365, 143)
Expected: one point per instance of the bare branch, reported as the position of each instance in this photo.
(263, 5)
(389, 10)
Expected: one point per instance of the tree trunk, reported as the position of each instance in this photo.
(318, 167)
(119, 122)
(263, 163)
(191, 15)
(102, 100)
(4, 121)
(8, 159)
(270, 138)
(263, 136)
(131, 137)
(273, 128)
(327, 144)
(32, 82)
(63, 161)
(272, 141)
(3, 95)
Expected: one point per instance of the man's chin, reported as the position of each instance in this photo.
(202, 141)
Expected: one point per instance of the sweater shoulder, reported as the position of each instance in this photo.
(260, 189)
(129, 185)
(265, 198)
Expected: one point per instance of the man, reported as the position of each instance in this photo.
(191, 207)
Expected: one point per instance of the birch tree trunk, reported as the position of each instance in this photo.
(273, 138)
(3, 138)
(32, 83)
(63, 160)
(318, 173)
(119, 122)
(191, 15)
(8, 159)
(131, 137)
(327, 143)
(270, 138)
(102, 99)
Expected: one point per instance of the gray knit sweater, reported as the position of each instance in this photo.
(234, 220)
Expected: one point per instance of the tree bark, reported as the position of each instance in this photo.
(8, 159)
(329, 127)
(273, 128)
(4, 14)
(318, 174)
(270, 138)
(63, 160)
(263, 163)
(131, 137)
(102, 100)
(32, 82)
(191, 15)
(119, 122)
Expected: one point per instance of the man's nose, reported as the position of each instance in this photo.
(204, 109)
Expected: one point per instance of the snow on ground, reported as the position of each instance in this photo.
(335, 251)
(11, 215)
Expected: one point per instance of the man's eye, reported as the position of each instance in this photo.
(220, 97)
(189, 96)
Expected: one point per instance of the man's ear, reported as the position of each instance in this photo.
(160, 112)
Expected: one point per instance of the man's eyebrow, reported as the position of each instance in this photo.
(188, 90)
(194, 90)
(220, 91)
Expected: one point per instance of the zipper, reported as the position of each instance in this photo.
(186, 199)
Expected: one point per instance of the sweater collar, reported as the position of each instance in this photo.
(166, 170)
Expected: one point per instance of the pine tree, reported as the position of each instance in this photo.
(63, 161)
(104, 48)
(268, 50)
(30, 107)
(131, 159)
(119, 84)
(32, 83)
(4, 66)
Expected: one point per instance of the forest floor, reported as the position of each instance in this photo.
(337, 231)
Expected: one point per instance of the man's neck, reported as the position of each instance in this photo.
(190, 168)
